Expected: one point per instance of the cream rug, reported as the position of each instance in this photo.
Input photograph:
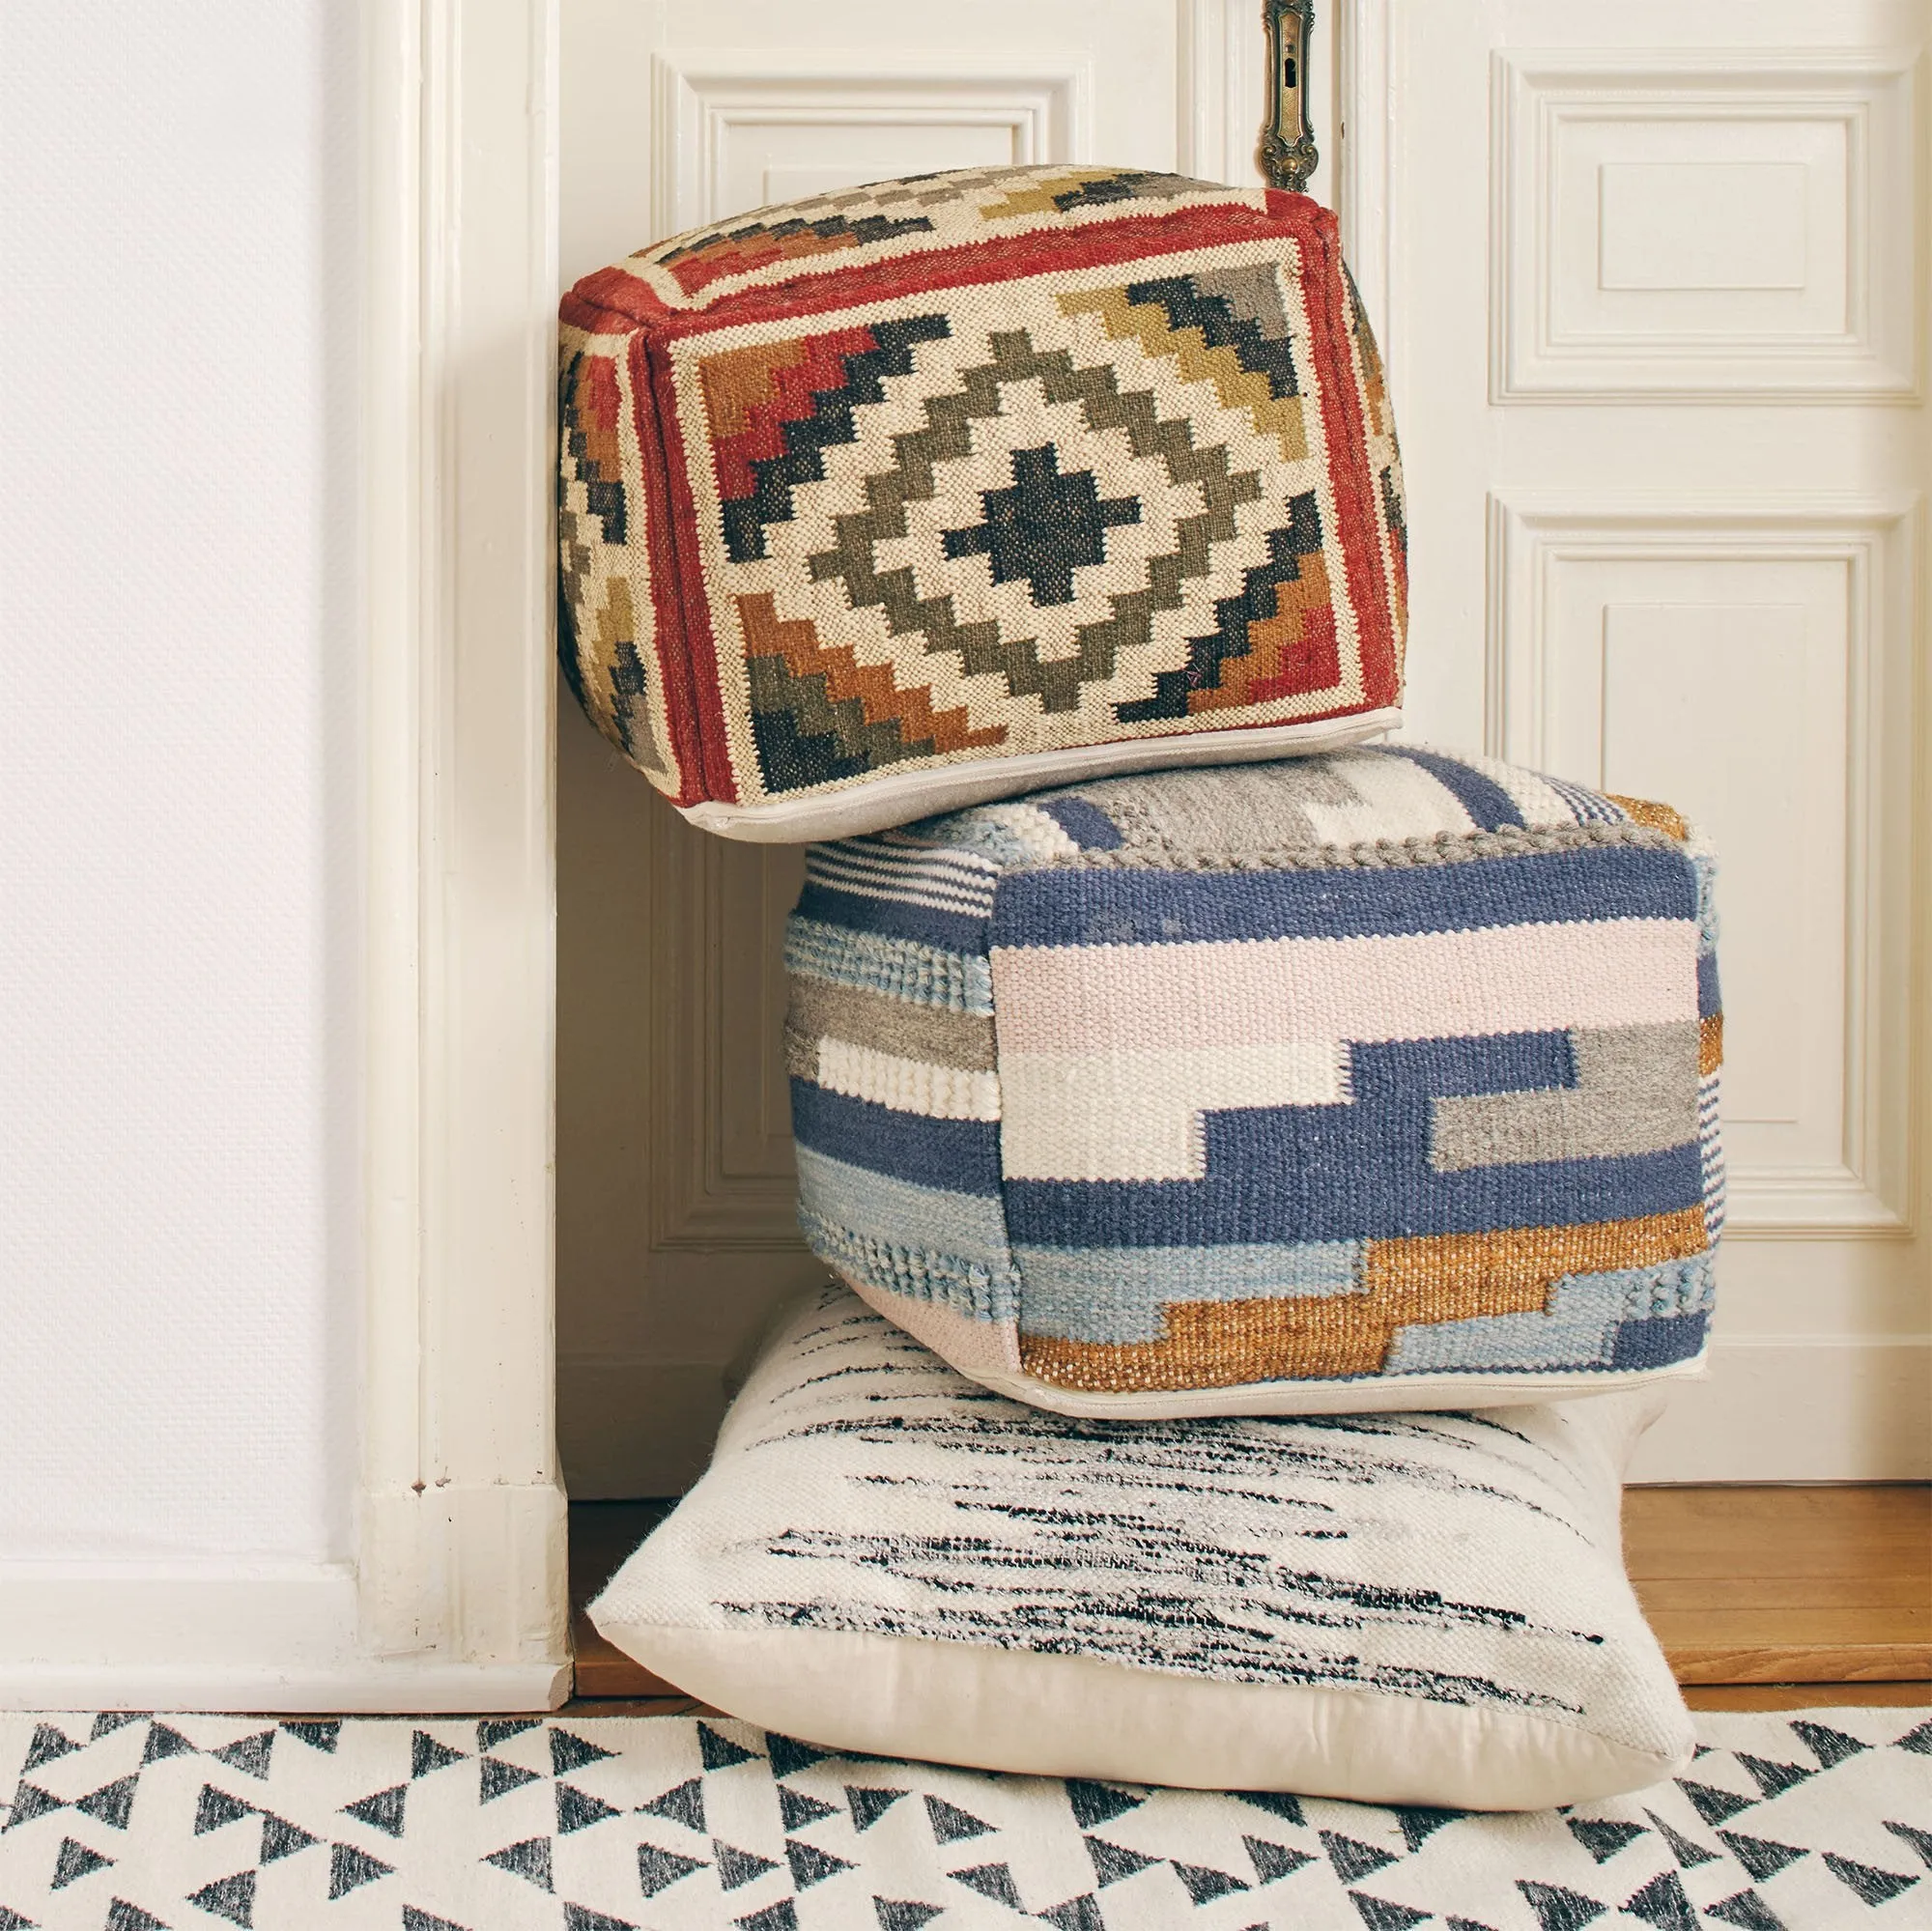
(117, 1823)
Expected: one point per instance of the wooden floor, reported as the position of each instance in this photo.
(1762, 1598)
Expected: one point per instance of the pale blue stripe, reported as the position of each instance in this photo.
(1116, 1293)
(967, 1288)
(905, 969)
(1672, 1287)
(1577, 1330)
(973, 1226)
(1705, 865)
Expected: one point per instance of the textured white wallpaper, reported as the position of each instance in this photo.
(179, 785)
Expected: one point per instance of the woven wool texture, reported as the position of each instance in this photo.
(945, 471)
(1379, 1079)
(1444, 1563)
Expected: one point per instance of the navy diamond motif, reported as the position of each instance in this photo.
(1044, 527)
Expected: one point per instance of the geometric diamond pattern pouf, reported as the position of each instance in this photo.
(945, 489)
(115, 1823)
(1380, 1079)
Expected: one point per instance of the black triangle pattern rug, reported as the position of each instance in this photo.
(1814, 1822)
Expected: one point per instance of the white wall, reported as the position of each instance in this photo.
(179, 784)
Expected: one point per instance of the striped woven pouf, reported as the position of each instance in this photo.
(1385, 1079)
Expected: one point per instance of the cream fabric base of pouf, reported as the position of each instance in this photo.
(1419, 1609)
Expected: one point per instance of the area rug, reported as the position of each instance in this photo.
(121, 1823)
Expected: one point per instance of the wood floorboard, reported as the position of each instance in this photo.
(1763, 1598)
(1785, 1584)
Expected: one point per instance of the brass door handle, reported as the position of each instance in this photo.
(1287, 154)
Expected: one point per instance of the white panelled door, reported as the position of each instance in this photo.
(1651, 280)
(675, 1226)
(1653, 285)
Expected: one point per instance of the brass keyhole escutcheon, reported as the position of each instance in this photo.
(1287, 154)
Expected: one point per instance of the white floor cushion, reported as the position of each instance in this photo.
(1421, 1608)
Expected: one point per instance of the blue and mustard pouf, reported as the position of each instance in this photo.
(1378, 1080)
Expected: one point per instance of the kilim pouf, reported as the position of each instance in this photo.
(945, 489)
(1384, 1079)
(1420, 1608)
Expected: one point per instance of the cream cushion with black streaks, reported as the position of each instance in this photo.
(1420, 1608)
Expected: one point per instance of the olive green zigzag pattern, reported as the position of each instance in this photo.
(948, 437)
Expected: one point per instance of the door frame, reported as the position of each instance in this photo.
(459, 1518)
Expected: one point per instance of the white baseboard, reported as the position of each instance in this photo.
(277, 1639)
(1798, 1409)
